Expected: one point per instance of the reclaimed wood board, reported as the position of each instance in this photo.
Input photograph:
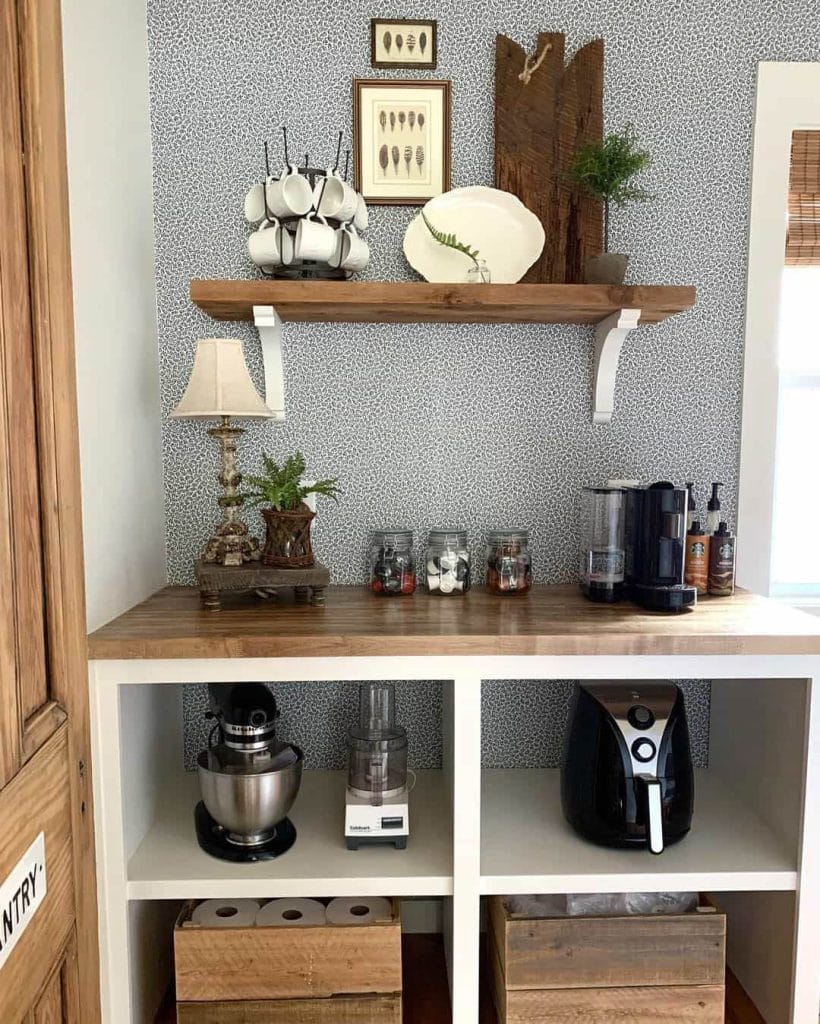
(544, 110)
(375, 1009)
(599, 952)
(655, 1004)
(409, 302)
(262, 963)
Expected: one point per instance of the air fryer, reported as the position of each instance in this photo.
(627, 778)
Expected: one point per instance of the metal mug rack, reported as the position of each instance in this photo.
(305, 270)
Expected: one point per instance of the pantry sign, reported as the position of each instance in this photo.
(20, 896)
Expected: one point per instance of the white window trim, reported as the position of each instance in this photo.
(788, 98)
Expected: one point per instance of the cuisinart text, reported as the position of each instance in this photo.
(21, 894)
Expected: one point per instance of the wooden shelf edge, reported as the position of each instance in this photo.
(421, 302)
(550, 620)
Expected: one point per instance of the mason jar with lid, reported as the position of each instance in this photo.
(447, 562)
(509, 562)
(392, 566)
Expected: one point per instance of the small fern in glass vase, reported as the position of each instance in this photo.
(478, 273)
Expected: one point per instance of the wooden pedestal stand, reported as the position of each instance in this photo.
(308, 584)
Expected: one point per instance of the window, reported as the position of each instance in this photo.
(795, 549)
(779, 496)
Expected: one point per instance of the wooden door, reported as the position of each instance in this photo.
(48, 944)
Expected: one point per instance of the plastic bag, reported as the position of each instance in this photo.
(601, 904)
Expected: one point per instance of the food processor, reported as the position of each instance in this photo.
(376, 806)
(248, 779)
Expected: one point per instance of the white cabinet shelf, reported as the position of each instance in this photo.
(527, 846)
(755, 839)
(169, 864)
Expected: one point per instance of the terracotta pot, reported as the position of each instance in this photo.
(608, 268)
(287, 538)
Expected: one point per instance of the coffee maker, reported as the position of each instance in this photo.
(376, 804)
(627, 778)
(655, 546)
(248, 779)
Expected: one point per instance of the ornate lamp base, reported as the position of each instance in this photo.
(230, 543)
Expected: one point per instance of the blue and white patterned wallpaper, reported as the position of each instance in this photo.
(523, 721)
(444, 424)
(481, 426)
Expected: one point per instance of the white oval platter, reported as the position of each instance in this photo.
(508, 236)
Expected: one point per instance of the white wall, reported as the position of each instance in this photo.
(112, 245)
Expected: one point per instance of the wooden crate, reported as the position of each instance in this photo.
(608, 970)
(372, 1009)
(230, 965)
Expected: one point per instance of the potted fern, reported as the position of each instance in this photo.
(281, 491)
(605, 170)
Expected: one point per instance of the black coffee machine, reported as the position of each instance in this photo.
(627, 778)
(655, 543)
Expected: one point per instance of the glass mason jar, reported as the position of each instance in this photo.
(509, 562)
(447, 562)
(392, 567)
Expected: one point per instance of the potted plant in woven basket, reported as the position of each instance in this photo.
(281, 493)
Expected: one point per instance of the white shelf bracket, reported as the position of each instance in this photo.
(609, 337)
(269, 325)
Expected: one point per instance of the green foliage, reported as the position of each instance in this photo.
(450, 240)
(281, 487)
(606, 170)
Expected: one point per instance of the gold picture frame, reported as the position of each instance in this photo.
(401, 139)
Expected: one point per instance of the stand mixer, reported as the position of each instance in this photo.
(248, 779)
(376, 804)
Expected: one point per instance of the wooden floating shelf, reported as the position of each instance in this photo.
(420, 302)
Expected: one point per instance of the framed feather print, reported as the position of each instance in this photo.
(401, 139)
(403, 43)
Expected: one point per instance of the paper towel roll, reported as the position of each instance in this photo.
(354, 910)
(292, 913)
(226, 913)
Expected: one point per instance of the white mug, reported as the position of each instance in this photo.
(289, 195)
(338, 200)
(315, 239)
(351, 251)
(264, 246)
(361, 218)
(255, 203)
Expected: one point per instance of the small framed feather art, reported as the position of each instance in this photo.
(401, 139)
(403, 43)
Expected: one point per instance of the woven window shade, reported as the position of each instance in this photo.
(803, 238)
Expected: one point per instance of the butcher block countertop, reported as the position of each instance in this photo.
(554, 620)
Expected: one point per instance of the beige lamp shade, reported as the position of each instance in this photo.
(220, 384)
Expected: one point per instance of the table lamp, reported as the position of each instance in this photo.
(221, 387)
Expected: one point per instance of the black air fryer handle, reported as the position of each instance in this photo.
(653, 813)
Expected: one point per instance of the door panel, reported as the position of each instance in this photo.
(20, 454)
(52, 974)
(49, 1009)
(38, 800)
(58, 1003)
(14, 289)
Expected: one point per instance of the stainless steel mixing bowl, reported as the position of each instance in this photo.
(249, 806)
